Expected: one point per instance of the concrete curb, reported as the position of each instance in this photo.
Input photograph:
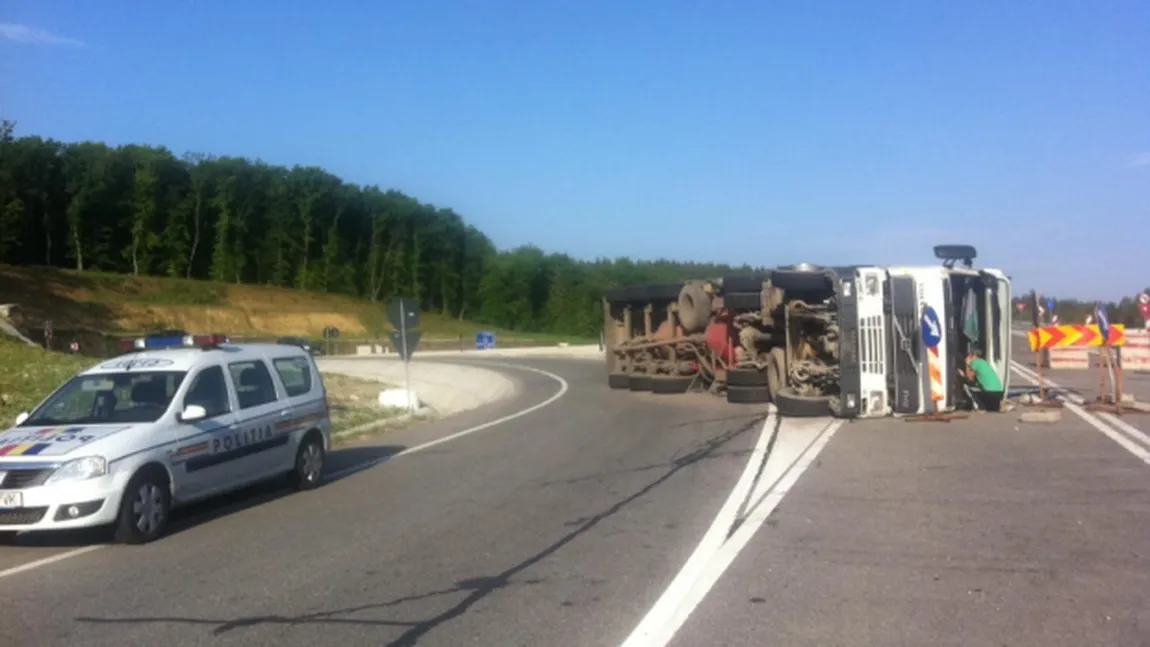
(446, 388)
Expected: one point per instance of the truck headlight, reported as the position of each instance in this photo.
(80, 469)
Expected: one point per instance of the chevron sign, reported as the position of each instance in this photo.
(1079, 335)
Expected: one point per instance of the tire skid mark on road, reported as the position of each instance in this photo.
(563, 388)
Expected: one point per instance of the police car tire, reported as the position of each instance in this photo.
(126, 530)
(299, 479)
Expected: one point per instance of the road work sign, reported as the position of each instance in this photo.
(1075, 335)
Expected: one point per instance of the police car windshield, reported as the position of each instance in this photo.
(109, 398)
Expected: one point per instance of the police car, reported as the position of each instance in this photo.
(125, 441)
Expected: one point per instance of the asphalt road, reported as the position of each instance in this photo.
(557, 527)
(568, 526)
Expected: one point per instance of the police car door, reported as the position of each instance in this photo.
(196, 469)
(255, 445)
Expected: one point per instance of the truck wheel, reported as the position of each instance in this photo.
(671, 383)
(743, 301)
(748, 394)
(618, 381)
(802, 278)
(635, 293)
(694, 307)
(662, 291)
(615, 295)
(744, 282)
(746, 377)
(792, 405)
(639, 382)
(776, 370)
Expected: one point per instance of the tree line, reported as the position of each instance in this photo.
(143, 210)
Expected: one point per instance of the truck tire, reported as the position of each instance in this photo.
(743, 301)
(748, 395)
(639, 382)
(615, 295)
(776, 370)
(802, 278)
(618, 381)
(744, 283)
(694, 307)
(635, 293)
(746, 377)
(792, 405)
(671, 383)
(662, 291)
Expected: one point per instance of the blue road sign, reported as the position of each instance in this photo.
(931, 328)
(1103, 324)
(484, 340)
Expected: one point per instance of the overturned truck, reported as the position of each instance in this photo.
(859, 341)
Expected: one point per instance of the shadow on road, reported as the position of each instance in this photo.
(473, 589)
(340, 460)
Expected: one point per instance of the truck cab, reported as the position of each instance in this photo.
(914, 326)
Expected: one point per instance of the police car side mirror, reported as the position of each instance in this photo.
(22, 417)
(192, 413)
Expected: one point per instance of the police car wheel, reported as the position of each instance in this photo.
(309, 460)
(144, 508)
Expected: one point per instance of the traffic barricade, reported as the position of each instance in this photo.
(1070, 358)
(1135, 355)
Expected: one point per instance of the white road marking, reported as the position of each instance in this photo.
(563, 387)
(719, 546)
(49, 560)
(759, 513)
(1072, 403)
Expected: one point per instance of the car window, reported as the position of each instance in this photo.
(109, 398)
(210, 391)
(254, 385)
(295, 372)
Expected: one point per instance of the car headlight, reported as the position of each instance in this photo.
(79, 470)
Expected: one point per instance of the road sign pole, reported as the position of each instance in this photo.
(405, 356)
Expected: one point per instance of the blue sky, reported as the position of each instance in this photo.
(756, 132)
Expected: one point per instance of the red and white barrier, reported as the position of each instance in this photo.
(1069, 357)
(1136, 352)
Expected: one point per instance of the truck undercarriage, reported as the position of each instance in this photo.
(770, 337)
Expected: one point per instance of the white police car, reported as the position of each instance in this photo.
(125, 441)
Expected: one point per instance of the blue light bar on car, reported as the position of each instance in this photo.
(163, 342)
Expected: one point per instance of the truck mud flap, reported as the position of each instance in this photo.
(903, 354)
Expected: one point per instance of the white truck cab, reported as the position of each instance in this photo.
(914, 326)
(125, 441)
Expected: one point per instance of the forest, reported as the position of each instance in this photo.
(145, 210)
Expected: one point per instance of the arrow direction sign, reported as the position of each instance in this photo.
(1076, 336)
(931, 328)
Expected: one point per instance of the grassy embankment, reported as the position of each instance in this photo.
(123, 304)
(94, 307)
(28, 374)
